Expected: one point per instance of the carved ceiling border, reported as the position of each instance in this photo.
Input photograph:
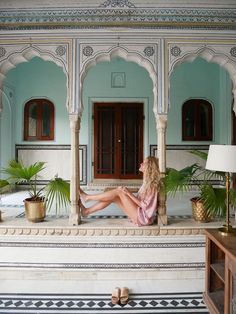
(118, 13)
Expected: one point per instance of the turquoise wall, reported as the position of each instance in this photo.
(7, 122)
(200, 79)
(40, 79)
(98, 87)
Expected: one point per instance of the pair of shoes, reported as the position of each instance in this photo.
(120, 296)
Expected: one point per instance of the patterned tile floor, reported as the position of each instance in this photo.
(101, 303)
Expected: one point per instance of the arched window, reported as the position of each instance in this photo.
(197, 120)
(39, 120)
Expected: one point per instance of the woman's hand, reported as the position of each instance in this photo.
(124, 189)
(130, 194)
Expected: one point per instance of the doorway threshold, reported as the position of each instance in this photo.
(110, 183)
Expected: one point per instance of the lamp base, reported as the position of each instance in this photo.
(227, 230)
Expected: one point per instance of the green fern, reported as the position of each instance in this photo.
(214, 199)
(18, 173)
(3, 183)
(179, 180)
(57, 191)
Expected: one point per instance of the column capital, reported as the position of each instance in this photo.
(74, 122)
(161, 121)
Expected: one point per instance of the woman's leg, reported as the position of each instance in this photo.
(116, 196)
(96, 207)
(107, 196)
(129, 207)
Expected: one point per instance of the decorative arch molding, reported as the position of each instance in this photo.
(7, 99)
(224, 55)
(143, 55)
(12, 55)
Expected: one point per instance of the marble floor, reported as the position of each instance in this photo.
(178, 209)
(180, 205)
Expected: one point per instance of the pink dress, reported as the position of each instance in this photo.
(148, 208)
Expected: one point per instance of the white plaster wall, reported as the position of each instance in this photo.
(164, 267)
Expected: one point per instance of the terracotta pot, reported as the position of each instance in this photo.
(35, 210)
(199, 212)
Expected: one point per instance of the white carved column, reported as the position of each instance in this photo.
(74, 218)
(1, 149)
(161, 124)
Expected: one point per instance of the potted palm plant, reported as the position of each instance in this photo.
(210, 201)
(3, 185)
(56, 191)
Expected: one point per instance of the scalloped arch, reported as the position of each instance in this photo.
(26, 55)
(211, 56)
(123, 53)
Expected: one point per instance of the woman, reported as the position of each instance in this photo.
(141, 209)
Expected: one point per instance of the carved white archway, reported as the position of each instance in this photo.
(126, 54)
(210, 55)
(24, 53)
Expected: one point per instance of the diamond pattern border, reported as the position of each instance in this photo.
(101, 303)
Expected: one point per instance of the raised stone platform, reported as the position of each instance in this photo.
(103, 226)
(51, 267)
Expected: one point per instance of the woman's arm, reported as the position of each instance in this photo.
(131, 195)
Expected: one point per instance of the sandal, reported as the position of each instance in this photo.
(115, 297)
(124, 295)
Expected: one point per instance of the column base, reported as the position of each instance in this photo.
(162, 220)
(74, 219)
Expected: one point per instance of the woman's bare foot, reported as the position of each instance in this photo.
(84, 211)
(83, 195)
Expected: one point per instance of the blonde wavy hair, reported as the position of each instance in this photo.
(151, 175)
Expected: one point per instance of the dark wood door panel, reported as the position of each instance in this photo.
(132, 140)
(118, 140)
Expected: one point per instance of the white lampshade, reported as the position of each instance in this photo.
(221, 158)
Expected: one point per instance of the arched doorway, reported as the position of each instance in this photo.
(120, 117)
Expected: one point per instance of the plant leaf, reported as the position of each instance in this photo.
(179, 180)
(214, 200)
(58, 191)
(18, 173)
(3, 183)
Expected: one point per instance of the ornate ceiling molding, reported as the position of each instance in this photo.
(118, 13)
(13, 54)
(222, 54)
(144, 55)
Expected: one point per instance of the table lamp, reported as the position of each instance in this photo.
(223, 158)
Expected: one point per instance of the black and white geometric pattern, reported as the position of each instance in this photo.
(101, 303)
(22, 214)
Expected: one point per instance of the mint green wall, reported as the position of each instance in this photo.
(38, 79)
(7, 149)
(200, 79)
(97, 87)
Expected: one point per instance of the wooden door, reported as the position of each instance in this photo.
(118, 140)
